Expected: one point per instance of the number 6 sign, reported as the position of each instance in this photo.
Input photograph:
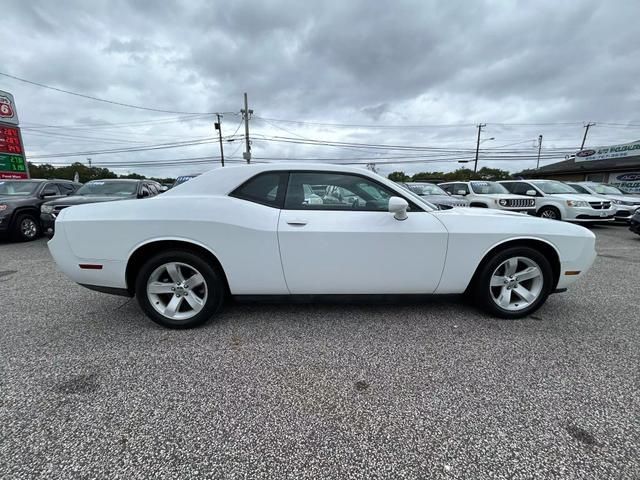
(7, 109)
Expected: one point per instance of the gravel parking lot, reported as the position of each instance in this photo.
(89, 388)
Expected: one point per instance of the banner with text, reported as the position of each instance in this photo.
(613, 151)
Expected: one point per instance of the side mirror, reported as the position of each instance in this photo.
(49, 193)
(531, 193)
(461, 192)
(398, 206)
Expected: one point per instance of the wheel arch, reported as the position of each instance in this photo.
(543, 246)
(152, 247)
(26, 209)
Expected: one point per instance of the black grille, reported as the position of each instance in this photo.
(521, 202)
(600, 205)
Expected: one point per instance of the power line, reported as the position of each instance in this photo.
(112, 102)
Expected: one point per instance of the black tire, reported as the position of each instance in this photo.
(26, 228)
(213, 280)
(483, 292)
(551, 213)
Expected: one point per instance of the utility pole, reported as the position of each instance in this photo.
(539, 148)
(246, 114)
(586, 130)
(218, 126)
(475, 164)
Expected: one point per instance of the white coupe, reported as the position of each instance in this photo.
(279, 229)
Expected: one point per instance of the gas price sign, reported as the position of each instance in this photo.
(12, 162)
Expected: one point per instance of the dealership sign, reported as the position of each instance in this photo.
(629, 182)
(604, 153)
(12, 162)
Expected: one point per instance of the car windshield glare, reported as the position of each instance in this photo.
(607, 190)
(552, 187)
(116, 189)
(426, 189)
(485, 188)
(17, 187)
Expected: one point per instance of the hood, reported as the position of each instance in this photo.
(622, 198)
(83, 199)
(575, 196)
(16, 199)
(504, 195)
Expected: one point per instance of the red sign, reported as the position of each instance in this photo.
(10, 140)
(13, 175)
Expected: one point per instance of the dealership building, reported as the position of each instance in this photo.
(618, 165)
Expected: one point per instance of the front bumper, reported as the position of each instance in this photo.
(48, 223)
(590, 215)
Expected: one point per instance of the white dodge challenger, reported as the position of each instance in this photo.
(308, 231)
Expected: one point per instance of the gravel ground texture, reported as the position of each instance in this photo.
(89, 388)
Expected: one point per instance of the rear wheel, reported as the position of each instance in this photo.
(515, 283)
(551, 213)
(26, 228)
(179, 289)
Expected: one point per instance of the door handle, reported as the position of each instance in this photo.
(297, 222)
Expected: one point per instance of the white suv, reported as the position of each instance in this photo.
(490, 195)
(558, 201)
(625, 205)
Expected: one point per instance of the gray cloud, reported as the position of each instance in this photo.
(357, 62)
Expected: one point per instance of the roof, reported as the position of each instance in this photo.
(570, 166)
(130, 180)
(224, 180)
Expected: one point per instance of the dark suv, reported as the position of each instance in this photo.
(97, 191)
(20, 202)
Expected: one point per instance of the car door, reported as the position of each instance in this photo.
(49, 191)
(356, 247)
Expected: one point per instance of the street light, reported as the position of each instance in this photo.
(475, 168)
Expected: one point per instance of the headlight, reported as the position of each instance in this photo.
(577, 203)
(46, 209)
(502, 202)
(3, 207)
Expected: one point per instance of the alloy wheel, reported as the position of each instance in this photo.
(549, 214)
(177, 291)
(28, 228)
(516, 283)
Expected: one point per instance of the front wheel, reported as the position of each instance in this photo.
(179, 289)
(26, 228)
(515, 283)
(551, 213)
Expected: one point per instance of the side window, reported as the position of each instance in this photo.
(152, 189)
(461, 187)
(511, 186)
(265, 189)
(447, 188)
(66, 188)
(50, 189)
(335, 191)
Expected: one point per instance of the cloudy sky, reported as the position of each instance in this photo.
(396, 81)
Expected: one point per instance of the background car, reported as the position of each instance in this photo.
(434, 194)
(634, 223)
(182, 179)
(97, 191)
(558, 201)
(20, 202)
(625, 205)
(250, 231)
(486, 194)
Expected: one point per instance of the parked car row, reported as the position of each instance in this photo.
(580, 202)
(29, 208)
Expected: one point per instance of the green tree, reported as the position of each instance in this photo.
(399, 177)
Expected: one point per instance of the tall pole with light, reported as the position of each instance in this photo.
(539, 149)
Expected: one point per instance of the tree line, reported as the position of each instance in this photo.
(84, 172)
(462, 175)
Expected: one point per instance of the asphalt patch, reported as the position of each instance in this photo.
(581, 435)
(79, 384)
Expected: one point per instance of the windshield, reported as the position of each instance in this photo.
(551, 187)
(487, 188)
(117, 189)
(607, 190)
(426, 189)
(18, 187)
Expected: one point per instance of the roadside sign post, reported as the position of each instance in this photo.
(12, 161)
